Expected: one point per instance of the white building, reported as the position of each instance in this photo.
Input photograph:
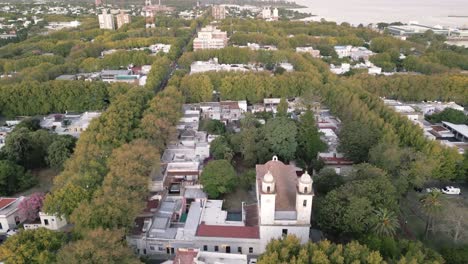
(310, 50)
(122, 18)
(159, 47)
(374, 70)
(214, 65)
(266, 13)
(51, 222)
(188, 220)
(344, 68)
(68, 123)
(62, 25)
(210, 37)
(9, 213)
(106, 21)
(343, 51)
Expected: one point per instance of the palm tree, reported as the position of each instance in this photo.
(385, 222)
(431, 204)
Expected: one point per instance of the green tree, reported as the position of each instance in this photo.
(218, 177)
(328, 180)
(220, 149)
(282, 108)
(213, 126)
(13, 178)
(129, 167)
(455, 255)
(290, 250)
(32, 246)
(280, 133)
(356, 139)
(384, 223)
(448, 115)
(308, 139)
(98, 246)
(59, 151)
(349, 208)
(431, 204)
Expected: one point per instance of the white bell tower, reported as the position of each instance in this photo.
(304, 197)
(267, 200)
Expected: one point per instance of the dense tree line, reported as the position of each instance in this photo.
(85, 171)
(246, 86)
(290, 250)
(33, 98)
(448, 115)
(15, 65)
(445, 87)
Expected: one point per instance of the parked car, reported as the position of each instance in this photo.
(253, 261)
(433, 189)
(451, 190)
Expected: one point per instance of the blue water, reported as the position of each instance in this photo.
(430, 12)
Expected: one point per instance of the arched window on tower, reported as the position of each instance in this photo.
(268, 189)
(305, 189)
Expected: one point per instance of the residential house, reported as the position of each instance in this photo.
(10, 216)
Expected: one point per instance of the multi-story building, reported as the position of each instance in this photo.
(122, 18)
(187, 219)
(106, 21)
(210, 38)
(218, 12)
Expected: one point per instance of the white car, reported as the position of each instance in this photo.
(253, 261)
(451, 190)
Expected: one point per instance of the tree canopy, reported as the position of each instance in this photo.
(218, 178)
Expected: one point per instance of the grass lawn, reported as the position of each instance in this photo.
(454, 209)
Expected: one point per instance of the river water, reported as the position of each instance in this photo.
(427, 12)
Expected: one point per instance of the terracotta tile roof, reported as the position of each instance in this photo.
(6, 201)
(228, 231)
(286, 182)
(185, 256)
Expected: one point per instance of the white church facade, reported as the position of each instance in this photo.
(190, 220)
(285, 201)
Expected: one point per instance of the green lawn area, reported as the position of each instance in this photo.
(453, 213)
